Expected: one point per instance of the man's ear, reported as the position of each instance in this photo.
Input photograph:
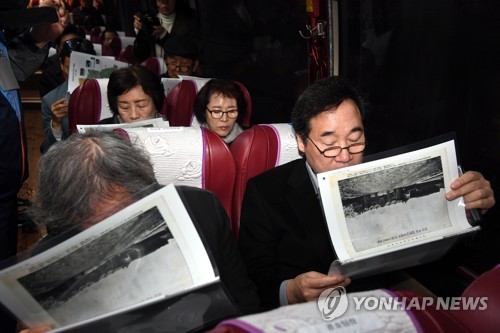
(195, 65)
(300, 143)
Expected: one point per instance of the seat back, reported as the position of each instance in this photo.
(88, 104)
(180, 102)
(256, 150)
(127, 55)
(485, 288)
(127, 41)
(97, 49)
(113, 49)
(189, 156)
(155, 65)
(95, 35)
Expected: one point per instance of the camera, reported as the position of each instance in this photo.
(148, 21)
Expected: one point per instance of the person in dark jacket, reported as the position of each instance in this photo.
(19, 58)
(152, 30)
(87, 16)
(284, 238)
(103, 174)
(55, 103)
(180, 55)
(52, 75)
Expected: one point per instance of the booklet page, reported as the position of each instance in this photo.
(314, 317)
(153, 122)
(392, 203)
(145, 252)
(86, 66)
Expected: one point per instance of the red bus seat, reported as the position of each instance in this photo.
(155, 65)
(189, 156)
(88, 104)
(127, 55)
(256, 150)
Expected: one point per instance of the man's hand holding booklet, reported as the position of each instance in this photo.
(391, 213)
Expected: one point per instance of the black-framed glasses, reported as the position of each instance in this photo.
(353, 148)
(217, 114)
(173, 67)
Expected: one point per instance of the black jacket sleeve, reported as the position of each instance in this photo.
(211, 220)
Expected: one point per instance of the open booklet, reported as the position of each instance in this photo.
(153, 122)
(333, 312)
(392, 213)
(144, 268)
(87, 66)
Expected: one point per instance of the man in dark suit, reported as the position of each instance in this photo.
(52, 75)
(102, 174)
(283, 236)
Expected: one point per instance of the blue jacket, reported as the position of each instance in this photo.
(25, 58)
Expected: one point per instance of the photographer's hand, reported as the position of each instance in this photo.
(43, 34)
(137, 23)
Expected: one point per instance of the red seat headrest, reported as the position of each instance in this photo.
(180, 102)
(84, 105)
(219, 171)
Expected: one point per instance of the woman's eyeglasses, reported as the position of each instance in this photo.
(217, 114)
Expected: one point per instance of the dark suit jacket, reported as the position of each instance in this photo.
(283, 232)
(184, 25)
(110, 120)
(212, 223)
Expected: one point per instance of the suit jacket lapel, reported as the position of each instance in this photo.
(308, 210)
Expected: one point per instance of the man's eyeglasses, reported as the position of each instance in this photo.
(354, 148)
(173, 67)
(217, 114)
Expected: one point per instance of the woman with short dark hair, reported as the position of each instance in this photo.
(134, 93)
(219, 106)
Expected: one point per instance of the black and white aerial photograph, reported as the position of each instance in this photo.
(103, 275)
(394, 204)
